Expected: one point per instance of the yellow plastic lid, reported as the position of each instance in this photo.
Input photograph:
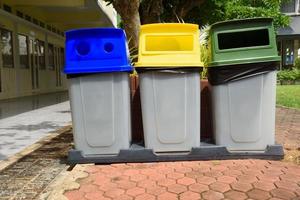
(169, 45)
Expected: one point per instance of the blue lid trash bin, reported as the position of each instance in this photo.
(96, 50)
(98, 66)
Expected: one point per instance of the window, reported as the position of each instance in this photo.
(7, 8)
(20, 14)
(62, 58)
(23, 51)
(51, 56)
(35, 21)
(28, 18)
(49, 27)
(288, 56)
(7, 48)
(42, 24)
(289, 7)
(41, 54)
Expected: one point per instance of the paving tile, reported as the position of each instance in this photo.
(290, 177)
(259, 194)
(113, 193)
(137, 177)
(157, 190)
(213, 173)
(183, 169)
(264, 185)
(135, 191)
(167, 195)
(175, 175)
(156, 176)
(206, 180)
(232, 173)
(198, 187)
(92, 169)
(287, 185)
(186, 181)
(146, 183)
(166, 182)
(145, 197)
(212, 195)
(95, 195)
(177, 188)
(123, 197)
(74, 195)
(226, 179)
(220, 187)
(189, 195)
(106, 186)
(247, 178)
(241, 186)
(88, 188)
(125, 184)
(194, 174)
(235, 195)
(283, 193)
(269, 177)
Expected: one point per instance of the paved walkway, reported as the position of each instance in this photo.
(231, 179)
(29, 176)
(22, 130)
(12, 107)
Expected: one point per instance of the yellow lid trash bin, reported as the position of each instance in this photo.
(169, 45)
(169, 69)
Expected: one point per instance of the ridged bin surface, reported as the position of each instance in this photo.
(100, 106)
(171, 110)
(244, 113)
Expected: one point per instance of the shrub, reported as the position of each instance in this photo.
(289, 75)
(297, 63)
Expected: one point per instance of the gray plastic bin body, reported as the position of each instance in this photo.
(171, 110)
(100, 106)
(244, 113)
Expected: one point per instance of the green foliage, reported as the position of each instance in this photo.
(239, 9)
(297, 64)
(219, 10)
(288, 95)
(289, 75)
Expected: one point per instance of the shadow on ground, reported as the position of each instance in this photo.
(28, 177)
(34, 127)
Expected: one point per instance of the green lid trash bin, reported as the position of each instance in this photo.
(242, 72)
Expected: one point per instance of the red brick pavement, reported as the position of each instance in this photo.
(227, 179)
(254, 179)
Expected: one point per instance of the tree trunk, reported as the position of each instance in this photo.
(150, 11)
(129, 12)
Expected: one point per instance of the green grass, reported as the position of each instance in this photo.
(288, 95)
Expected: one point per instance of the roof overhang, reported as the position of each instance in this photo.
(292, 31)
(66, 14)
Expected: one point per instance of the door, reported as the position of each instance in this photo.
(57, 58)
(34, 63)
(1, 64)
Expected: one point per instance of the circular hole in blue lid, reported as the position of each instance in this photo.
(83, 48)
(108, 47)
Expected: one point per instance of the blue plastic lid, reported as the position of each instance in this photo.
(96, 50)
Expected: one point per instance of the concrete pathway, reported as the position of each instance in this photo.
(22, 130)
(230, 179)
(12, 107)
